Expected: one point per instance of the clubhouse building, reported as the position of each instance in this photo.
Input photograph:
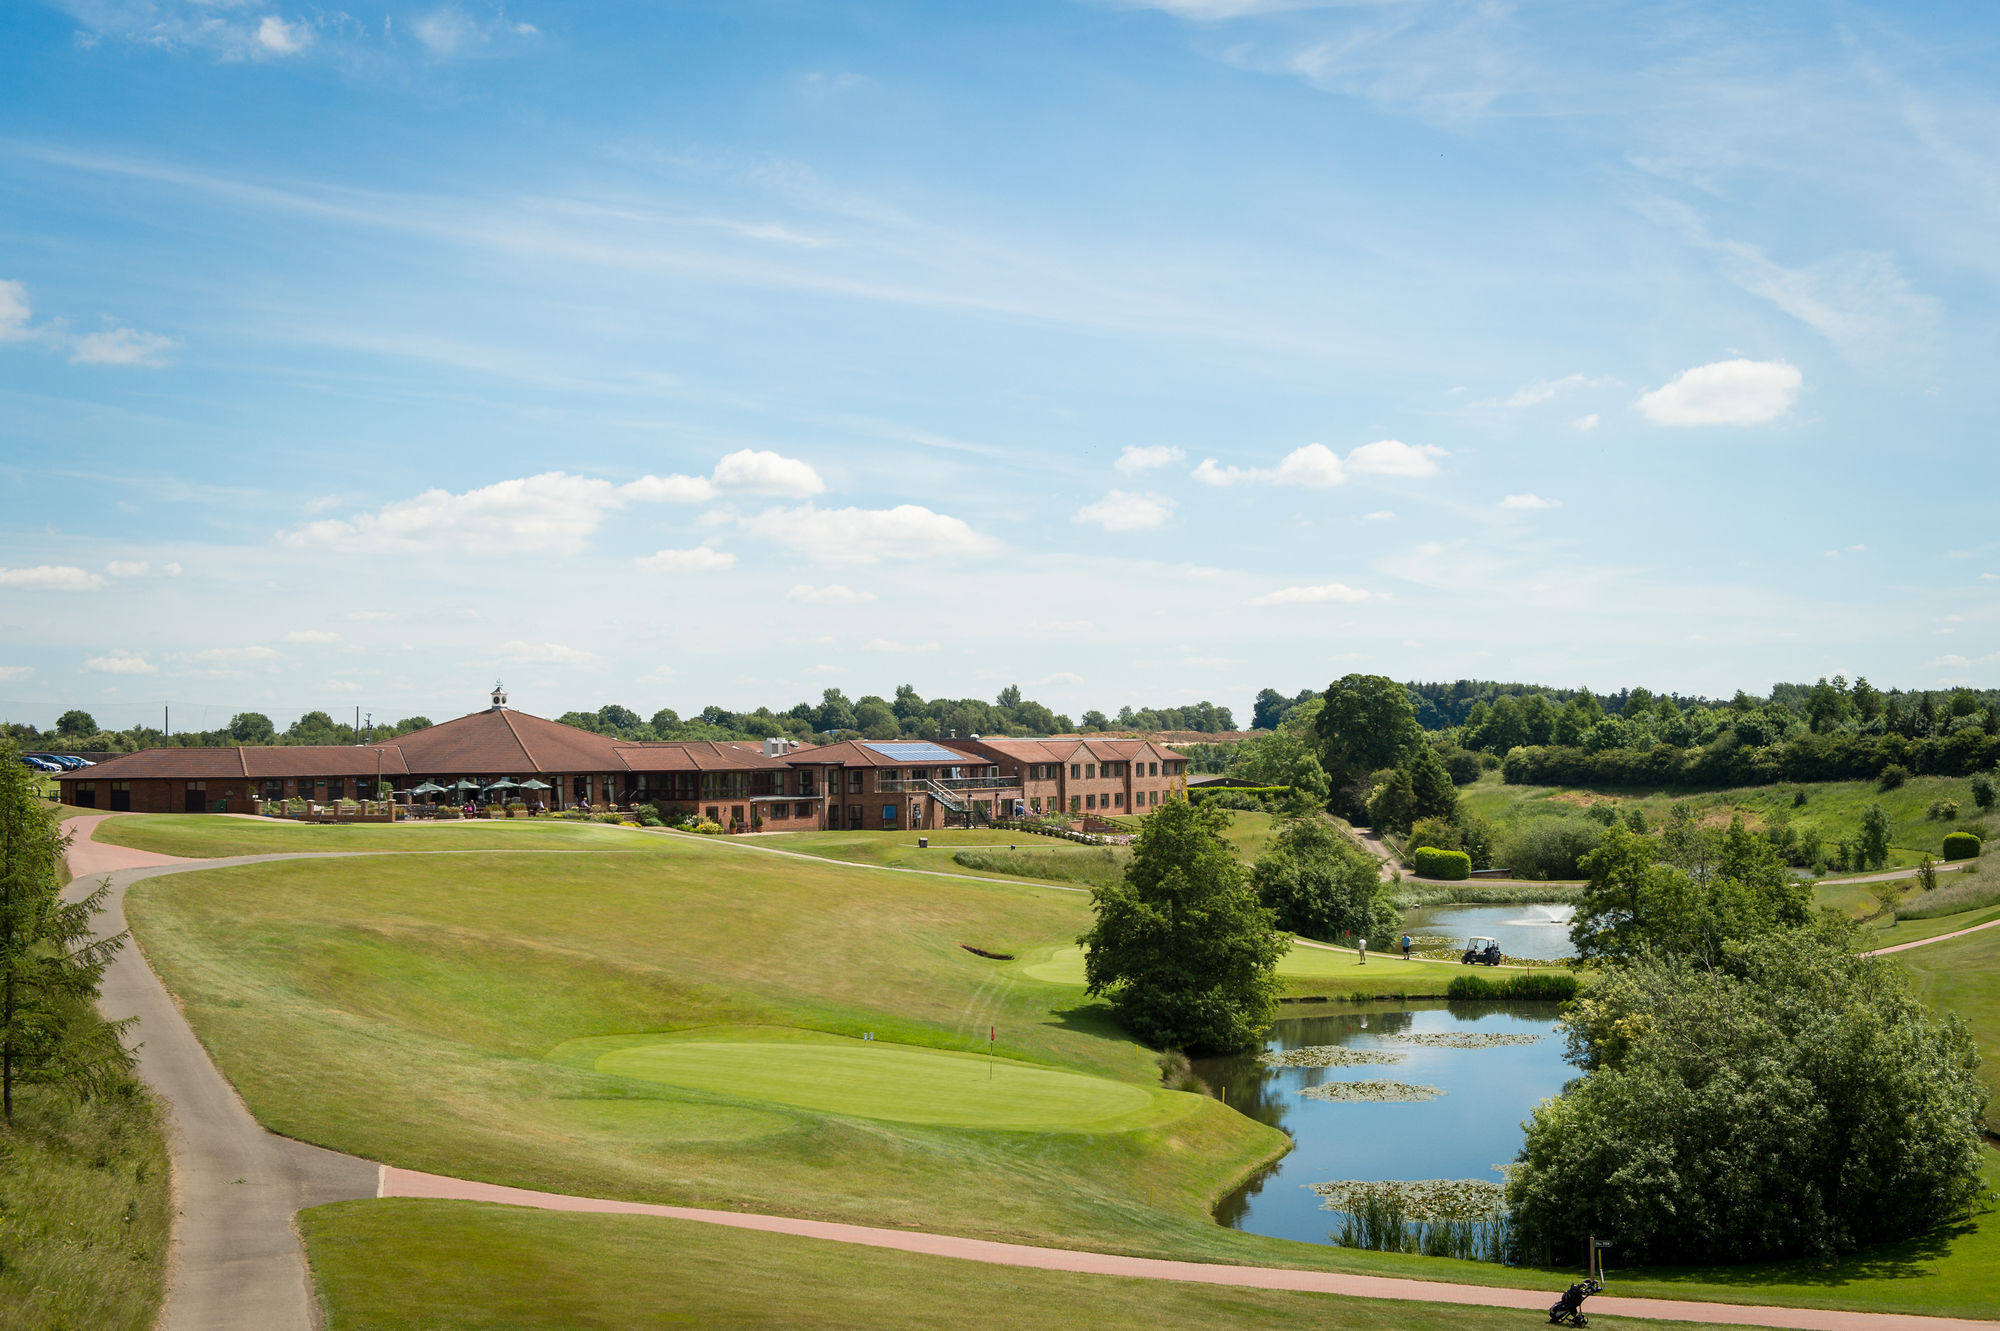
(745, 785)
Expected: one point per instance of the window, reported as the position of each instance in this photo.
(854, 815)
(854, 782)
(802, 811)
(1090, 770)
(1076, 771)
(888, 815)
(1118, 799)
(1076, 804)
(806, 781)
(1155, 771)
(714, 814)
(1090, 801)
(1153, 797)
(336, 788)
(736, 815)
(1035, 803)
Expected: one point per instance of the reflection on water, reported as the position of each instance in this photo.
(1537, 930)
(1474, 1126)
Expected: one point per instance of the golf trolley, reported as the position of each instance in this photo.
(1481, 951)
(1568, 1310)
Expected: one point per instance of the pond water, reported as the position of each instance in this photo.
(1537, 931)
(1462, 1134)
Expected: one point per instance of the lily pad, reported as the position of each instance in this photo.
(1326, 1056)
(1426, 1199)
(1469, 1039)
(1374, 1092)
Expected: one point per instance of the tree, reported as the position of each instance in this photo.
(1095, 720)
(76, 723)
(1180, 943)
(1010, 697)
(252, 728)
(621, 719)
(1794, 1100)
(1367, 724)
(1393, 806)
(873, 718)
(1318, 883)
(49, 964)
(1636, 903)
(1873, 845)
(1281, 759)
(1432, 793)
(834, 711)
(1268, 710)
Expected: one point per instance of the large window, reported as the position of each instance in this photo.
(1076, 771)
(854, 779)
(1076, 804)
(806, 781)
(1090, 770)
(888, 815)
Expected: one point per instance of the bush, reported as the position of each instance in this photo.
(1984, 791)
(1536, 986)
(1962, 896)
(1450, 865)
(1893, 776)
(1550, 847)
(1962, 846)
(1942, 811)
(1436, 833)
(1463, 765)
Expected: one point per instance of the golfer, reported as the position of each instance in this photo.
(1362, 945)
(1406, 947)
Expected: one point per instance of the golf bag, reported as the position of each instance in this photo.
(1568, 1310)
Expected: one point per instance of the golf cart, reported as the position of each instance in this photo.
(1480, 952)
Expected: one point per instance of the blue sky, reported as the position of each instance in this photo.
(1133, 352)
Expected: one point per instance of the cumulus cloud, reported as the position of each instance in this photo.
(1728, 392)
(282, 38)
(123, 346)
(121, 662)
(1529, 501)
(702, 558)
(1317, 467)
(553, 512)
(13, 674)
(14, 311)
(832, 594)
(1325, 593)
(137, 568)
(869, 535)
(51, 578)
(1139, 458)
(1584, 422)
(1543, 390)
(670, 490)
(1393, 457)
(759, 471)
(320, 636)
(1122, 510)
(544, 653)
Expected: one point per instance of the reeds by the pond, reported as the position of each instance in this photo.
(1378, 1223)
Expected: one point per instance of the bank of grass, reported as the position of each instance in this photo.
(1308, 972)
(406, 1009)
(1962, 975)
(85, 1212)
(1833, 807)
(211, 836)
(400, 1265)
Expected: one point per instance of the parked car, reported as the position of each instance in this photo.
(41, 764)
(72, 763)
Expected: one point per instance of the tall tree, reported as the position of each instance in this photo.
(1268, 710)
(1181, 944)
(1368, 723)
(1432, 794)
(50, 965)
(1320, 884)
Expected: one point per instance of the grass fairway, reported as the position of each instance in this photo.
(1248, 833)
(403, 1265)
(1307, 972)
(208, 836)
(876, 1079)
(1962, 975)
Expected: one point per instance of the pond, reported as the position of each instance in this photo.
(1462, 1134)
(1537, 931)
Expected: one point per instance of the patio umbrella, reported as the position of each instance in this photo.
(504, 784)
(463, 785)
(427, 788)
(532, 784)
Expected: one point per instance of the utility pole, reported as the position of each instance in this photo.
(167, 719)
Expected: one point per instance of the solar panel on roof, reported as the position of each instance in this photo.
(915, 751)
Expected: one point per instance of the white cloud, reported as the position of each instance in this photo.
(123, 569)
(172, 569)
(832, 594)
(554, 511)
(1949, 659)
(1393, 457)
(14, 311)
(12, 674)
(1139, 458)
(1122, 510)
(759, 471)
(1379, 515)
(669, 490)
(123, 346)
(1584, 422)
(120, 662)
(1729, 392)
(1333, 592)
(1529, 501)
(322, 504)
(544, 653)
(885, 645)
(51, 578)
(312, 636)
(868, 535)
(282, 38)
(699, 559)
(1543, 390)
(449, 31)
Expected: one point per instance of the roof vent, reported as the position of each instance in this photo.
(775, 747)
(499, 695)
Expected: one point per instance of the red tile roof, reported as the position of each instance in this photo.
(698, 756)
(269, 762)
(173, 764)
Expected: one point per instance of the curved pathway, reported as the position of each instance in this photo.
(237, 1262)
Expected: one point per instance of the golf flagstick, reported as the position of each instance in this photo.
(992, 1033)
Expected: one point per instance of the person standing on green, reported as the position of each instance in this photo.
(1406, 947)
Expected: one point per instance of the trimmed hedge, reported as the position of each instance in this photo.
(1962, 845)
(1196, 794)
(1540, 986)
(1450, 865)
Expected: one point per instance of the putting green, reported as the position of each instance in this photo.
(871, 1079)
(1066, 965)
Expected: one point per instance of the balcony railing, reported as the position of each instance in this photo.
(890, 785)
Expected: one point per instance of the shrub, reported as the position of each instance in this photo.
(1550, 847)
(1983, 791)
(1463, 765)
(1437, 834)
(1447, 864)
(1893, 776)
(1962, 845)
(1943, 811)
(1957, 899)
(1536, 986)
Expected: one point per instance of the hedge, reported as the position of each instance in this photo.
(1196, 794)
(1450, 865)
(1962, 845)
(1541, 986)
(1719, 766)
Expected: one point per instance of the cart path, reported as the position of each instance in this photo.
(237, 1262)
(1926, 942)
(411, 1183)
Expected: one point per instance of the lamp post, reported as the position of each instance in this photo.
(378, 781)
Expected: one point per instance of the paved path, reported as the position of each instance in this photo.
(237, 1263)
(1926, 942)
